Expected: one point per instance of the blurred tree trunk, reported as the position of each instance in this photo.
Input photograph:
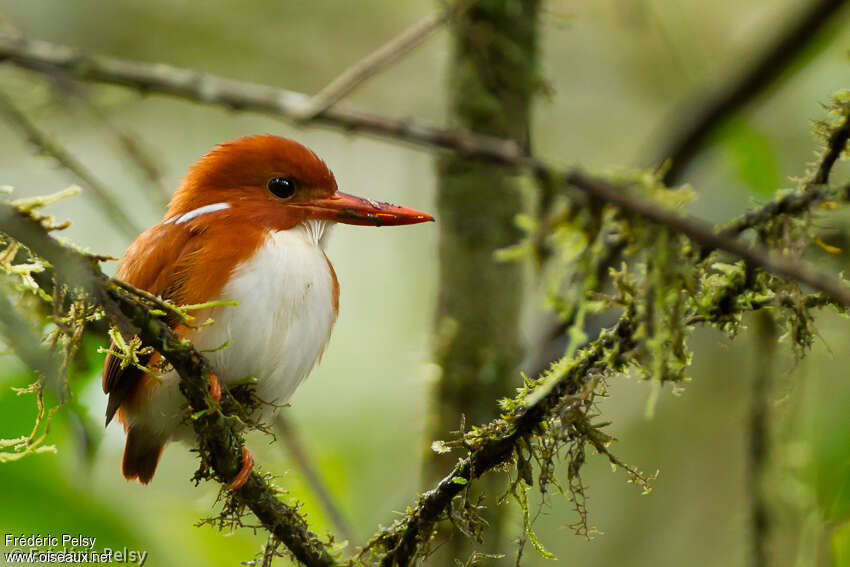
(492, 79)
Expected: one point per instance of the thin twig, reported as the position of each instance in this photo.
(41, 140)
(786, 204)
(813, 192)
(696, 118)
(378, 60)
(835, 146)
(135, 151)
(166, 306)
(289, 434)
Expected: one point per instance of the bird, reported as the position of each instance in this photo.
(248, 224)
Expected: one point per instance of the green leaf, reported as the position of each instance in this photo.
(752, 156)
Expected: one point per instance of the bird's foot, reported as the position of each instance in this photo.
(215, 387)
(215, 390)
(242, 476)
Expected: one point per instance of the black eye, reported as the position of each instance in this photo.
(282, 187)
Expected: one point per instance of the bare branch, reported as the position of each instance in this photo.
(289, 435)
(378, 60)
(694, 120)
(115, 213)
(194, 85)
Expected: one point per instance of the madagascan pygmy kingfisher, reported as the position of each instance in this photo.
(248, 223)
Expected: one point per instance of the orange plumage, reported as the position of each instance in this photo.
(251, 215)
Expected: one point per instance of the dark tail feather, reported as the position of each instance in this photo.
(112, 406)
(141, 454)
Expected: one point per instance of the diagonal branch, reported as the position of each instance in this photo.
(407, 538)
(190, 84)
(131, 145)
(194, 85)
(787, 204)
(836, 143)
(418, 525)
(815, 191)
(704, 234)
(378, 60)
(288, 434)
(128, 142)
(44, 143)
(218, 438)
(693, 122)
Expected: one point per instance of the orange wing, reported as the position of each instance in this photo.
(149, 264)
(184, 263)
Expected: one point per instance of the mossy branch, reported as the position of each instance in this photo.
(720, 301)
(498, 441)
(491, 446)
(218, 437)
(541, 404)
(709, 239)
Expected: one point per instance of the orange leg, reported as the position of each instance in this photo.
(247, 466)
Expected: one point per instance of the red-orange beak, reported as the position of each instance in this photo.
(349, 209)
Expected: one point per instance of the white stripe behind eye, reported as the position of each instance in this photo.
(195, 213)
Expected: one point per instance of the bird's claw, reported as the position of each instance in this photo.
(242, 476)
(215, 390)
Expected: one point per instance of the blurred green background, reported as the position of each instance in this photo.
(616, 69)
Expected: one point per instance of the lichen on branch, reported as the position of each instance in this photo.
(676, 273)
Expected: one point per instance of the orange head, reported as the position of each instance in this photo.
(279, 183)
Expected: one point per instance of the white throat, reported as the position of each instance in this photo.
(317, 231)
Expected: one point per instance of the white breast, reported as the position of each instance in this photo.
(284, 317)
